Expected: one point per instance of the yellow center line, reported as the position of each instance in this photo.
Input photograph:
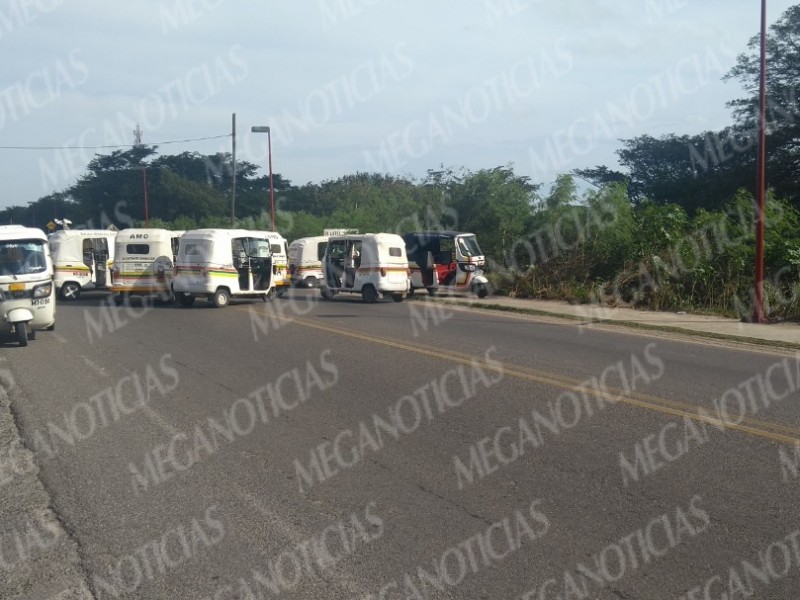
(746, 425)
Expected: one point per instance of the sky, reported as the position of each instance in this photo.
(346, 86)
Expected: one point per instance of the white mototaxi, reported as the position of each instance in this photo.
(27, 292)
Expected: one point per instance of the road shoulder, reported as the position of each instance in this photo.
(782, 337)
(38, 558)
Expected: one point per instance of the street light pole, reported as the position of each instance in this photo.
(265, 129)
(758, 292)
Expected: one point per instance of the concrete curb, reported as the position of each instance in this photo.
(752, 340)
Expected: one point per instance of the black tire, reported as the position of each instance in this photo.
(281, 293)
(397, 297)
(326, 293)
(221, 298)
(119, 299)
(480, 289)
(185, 300)
(22, 334)
(32, 334)
(369, 294)
(50, 327)
(431, 291)
(310, 282)
(70, 291)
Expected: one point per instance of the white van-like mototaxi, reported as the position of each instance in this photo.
(305, 260)
(144, 262)
(82, 260)
(220, 264)
(27, 291)
(372, 264)
(280, 261)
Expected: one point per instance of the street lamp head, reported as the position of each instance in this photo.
(260, 129)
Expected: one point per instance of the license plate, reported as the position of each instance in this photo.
(16, 287)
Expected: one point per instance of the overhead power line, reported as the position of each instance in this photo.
(201, 139)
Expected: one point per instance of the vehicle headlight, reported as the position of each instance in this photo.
(2, 296)
(468, 267)
(43, 290)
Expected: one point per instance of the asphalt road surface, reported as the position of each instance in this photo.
(305, 449)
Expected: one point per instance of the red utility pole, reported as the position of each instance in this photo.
(758, 292)
(271, 186)
(146, 210)
(265, 129)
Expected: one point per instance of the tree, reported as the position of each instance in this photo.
(175, 196)
(601, 176)
(693, 171)
(563, 192)
(705, 170)
(112, 190)
(783, 103)
(497, 205)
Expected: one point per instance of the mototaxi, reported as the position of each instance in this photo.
(27, 292)
(372, 264)
(220, 264)
(280, 262)
(82, 260)
(144, 263)
(446, 261)
(305, 260)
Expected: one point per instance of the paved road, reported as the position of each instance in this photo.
(338, 450)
